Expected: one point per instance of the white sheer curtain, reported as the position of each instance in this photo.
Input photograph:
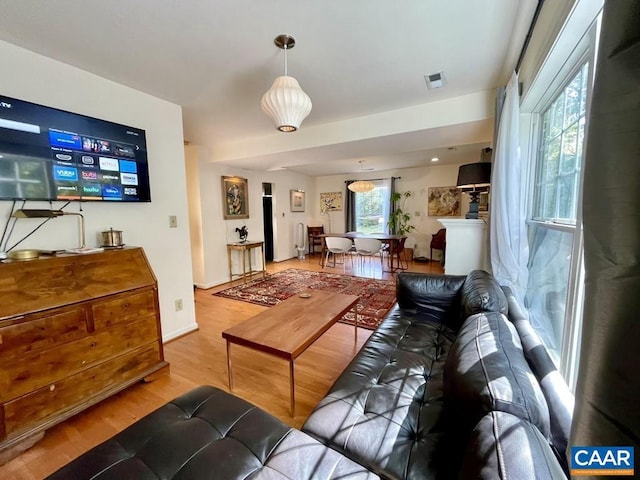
(508, 230)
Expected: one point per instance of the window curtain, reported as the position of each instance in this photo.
(508, 231)
(392, 205)
(608, 388)
(350, 208)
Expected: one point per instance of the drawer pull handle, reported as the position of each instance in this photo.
(52, 388)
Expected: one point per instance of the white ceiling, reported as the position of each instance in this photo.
(362, 62)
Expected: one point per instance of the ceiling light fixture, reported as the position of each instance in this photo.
(435, 159)
(285, 102)
(361, 186)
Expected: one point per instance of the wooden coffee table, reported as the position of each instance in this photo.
(289, 328)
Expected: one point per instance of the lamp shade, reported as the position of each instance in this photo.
(361, 186)
(474, 176)
(286, 103)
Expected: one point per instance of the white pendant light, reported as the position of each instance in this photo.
(361, 186)
(285, 102)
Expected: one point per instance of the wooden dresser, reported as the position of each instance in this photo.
(74, 330)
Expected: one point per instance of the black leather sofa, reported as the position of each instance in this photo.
(453, 384)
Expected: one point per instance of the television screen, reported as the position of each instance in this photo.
(51, 154)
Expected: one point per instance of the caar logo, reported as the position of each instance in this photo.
(602, 461)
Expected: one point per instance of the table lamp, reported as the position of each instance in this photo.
(474, 178)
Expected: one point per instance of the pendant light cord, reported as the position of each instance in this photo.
(285, 60)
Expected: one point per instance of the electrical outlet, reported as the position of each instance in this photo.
(179, 305)
(173, 221)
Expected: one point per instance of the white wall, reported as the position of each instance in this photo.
(416, 180)
(28, 76)
(211, 232)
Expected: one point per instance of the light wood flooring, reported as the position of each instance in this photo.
(200, 358)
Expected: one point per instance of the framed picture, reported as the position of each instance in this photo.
(235, 198)
(331, 201)
(297, 200)
(483, 205)
(444, 202)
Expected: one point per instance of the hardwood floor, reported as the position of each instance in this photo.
(200, 358)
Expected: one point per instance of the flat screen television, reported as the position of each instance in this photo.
(51, 154)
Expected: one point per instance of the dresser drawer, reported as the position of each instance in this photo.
(36, 332)
(124, 308)
(86, 387)
(37, 369)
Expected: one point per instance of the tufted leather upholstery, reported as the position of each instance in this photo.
(384, 411)
(210, 434)
(388, 410)
(486, 370)
(503, 446)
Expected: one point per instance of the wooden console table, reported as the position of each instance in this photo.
(245, 251)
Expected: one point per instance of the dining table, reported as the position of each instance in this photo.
(393, 241)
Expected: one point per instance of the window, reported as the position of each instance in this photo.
(556, 109)
(372, 208)
(560, 153)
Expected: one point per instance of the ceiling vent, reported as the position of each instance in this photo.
(435, 80)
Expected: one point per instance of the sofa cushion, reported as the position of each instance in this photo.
(434, 297)
(486, 370)
(505, 447)
(208, 433)
(385, 409)
(481, 292)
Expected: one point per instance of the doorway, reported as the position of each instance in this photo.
(267, 220)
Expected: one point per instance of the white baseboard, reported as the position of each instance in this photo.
(180, 332)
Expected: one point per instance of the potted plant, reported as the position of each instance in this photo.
(399, 219)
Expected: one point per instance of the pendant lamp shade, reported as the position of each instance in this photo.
(286, 103)
(361, 186)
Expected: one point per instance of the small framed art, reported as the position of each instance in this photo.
(297, 200)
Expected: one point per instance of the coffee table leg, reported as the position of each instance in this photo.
(229, 366)
(293, 389)
(356, 323)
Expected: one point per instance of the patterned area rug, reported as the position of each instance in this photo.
(376, 296)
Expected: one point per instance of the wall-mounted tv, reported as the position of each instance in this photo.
(51, 154)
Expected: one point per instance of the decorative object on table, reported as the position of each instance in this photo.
(297, 200)
(285, 102)
(331, 201)
(112, 238)
(376, 296)
(474, 179)
(399, 219)
(444, 202)
(243, 232)
(235, 198)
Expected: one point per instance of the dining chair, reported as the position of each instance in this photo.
(438, 242)
(338, 246)
(314, 239)
(368, 247)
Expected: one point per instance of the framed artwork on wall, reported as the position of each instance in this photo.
(297, 200)
(444, 202)
(331, 202)
(235, 198)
